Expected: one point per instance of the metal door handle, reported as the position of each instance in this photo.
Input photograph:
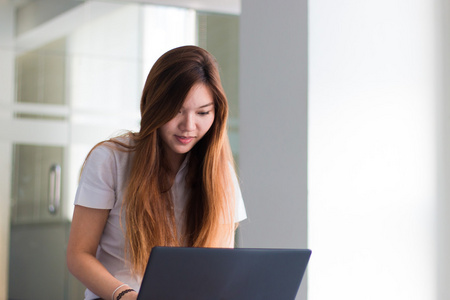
(54, 188)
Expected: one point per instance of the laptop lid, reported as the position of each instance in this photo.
(216, 273)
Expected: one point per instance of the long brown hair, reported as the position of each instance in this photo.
(149, 214)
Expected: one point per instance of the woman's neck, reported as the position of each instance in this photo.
(175, 161)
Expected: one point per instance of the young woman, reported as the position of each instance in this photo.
(170, 184)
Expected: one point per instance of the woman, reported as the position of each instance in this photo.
(170, 184)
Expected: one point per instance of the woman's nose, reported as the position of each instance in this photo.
(187, 123)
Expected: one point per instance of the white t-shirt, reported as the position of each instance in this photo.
(101, 186)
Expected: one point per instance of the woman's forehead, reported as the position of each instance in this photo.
(199, 96)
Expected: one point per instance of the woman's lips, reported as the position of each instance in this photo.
(184, 139)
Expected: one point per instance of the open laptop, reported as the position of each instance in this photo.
(175, 273)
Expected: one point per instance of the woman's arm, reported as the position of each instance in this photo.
(85, 233)
(225, 237)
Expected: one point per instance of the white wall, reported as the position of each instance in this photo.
(374, 92)
(273, 123)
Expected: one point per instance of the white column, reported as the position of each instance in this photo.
(273, 123)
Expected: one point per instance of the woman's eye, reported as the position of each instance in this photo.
(203, 113)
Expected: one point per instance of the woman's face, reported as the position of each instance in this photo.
(190, 124)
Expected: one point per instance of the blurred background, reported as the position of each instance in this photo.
(339, 123)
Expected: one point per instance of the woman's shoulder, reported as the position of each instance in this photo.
(114, 149)
(124, 140)
(115, 145)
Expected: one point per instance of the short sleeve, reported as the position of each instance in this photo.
(97, 184)
(240, 213)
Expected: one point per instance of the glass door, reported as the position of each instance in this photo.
(39, 221)
(36, 177)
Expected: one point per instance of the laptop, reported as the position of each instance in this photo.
(177, 273)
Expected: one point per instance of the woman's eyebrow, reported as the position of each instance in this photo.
(212, 103)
